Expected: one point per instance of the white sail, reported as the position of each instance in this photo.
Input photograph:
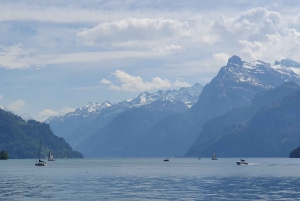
(50, 156)
(214, 156)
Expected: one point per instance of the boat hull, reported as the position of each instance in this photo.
(41, 164)
(239, 163)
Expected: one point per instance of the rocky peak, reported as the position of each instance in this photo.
(288, 63)
(235, 60)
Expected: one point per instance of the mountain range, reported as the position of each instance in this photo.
(235, 85)
(77, 126)
(157, 126)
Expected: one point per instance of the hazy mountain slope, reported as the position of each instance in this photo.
(115, 138)
(213, 130)
(21, 139)
(272, 132)
(77, 126)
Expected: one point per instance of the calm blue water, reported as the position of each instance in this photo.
(151, 179)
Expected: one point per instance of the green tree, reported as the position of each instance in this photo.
(3, 155)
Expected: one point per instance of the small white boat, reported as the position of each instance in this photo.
(214, 156)
(241, 162)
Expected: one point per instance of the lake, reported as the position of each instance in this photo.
(151, 179)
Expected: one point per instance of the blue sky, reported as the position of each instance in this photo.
(56, 56)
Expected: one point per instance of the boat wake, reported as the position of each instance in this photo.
(254, 164)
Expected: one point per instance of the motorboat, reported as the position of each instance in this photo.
(241, 162)
(167, 160)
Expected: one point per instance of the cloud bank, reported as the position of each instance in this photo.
(136, 83)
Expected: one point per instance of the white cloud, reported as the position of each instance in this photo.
(257, 33)
(276, 47)
(179, 83)
(43, 115)
(105, 81)
(221, 56)
(245, 34)
(254, 49)
(1, 96)
(129, 82)
(48, 112)
(296, 21)
(55, 13)
(13, 57)
(252, 25)
(136, 83)
(170, 48)
(156, 34)
(132, 29)
(16, 105)
(66, 110)
(259, 21)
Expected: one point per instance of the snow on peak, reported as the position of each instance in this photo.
(188, 95)
(254, 64)
(143, 98)
(289, 63)
(256, 73)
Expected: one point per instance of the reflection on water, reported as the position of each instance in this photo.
(149, 179)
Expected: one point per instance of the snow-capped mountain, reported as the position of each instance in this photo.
(188, 95)
(256, 73)
(234, 86)
(291, 64)
(238, 82)
(91, 110)
(26, 117)
(95, 115)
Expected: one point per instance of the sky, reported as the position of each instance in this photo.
(59, 55)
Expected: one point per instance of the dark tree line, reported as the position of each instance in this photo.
(3, 155)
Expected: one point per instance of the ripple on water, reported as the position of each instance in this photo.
(134, 181)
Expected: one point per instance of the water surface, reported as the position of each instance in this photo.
(151, 179)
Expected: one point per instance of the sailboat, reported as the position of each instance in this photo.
(214, 156)
(40, 162)
(50, 156)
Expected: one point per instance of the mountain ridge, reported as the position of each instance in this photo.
(78, 125)
(235, 85)
(216, 128)
(272, 132)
